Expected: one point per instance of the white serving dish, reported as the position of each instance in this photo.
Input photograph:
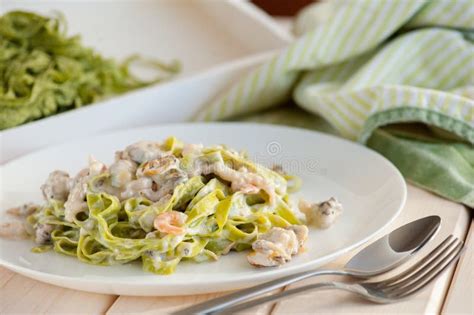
(211, 35)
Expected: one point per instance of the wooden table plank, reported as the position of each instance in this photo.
(22, 295)
(460, 299)
(155, 305)
(5, 276)
(455, 220)
(164, 305)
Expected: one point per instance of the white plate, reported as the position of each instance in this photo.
(371, 190)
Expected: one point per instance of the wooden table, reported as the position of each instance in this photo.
(450, 294)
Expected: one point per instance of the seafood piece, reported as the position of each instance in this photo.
(156, 179)
(165, 173)
(138, 187)
(323, 214)
(243, 180)
(56, 186)
(96, 167)
(43, 233)
(168, 182)
(170, 222)
(142, 151)
(156, 168)
(277, 246)
(301, 232)
(23, 210)
(122, 172)
(76, 201)
(14, 230)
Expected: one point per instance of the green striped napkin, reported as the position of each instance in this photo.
(395, 75)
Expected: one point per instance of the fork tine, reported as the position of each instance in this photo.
(432, 274)
(440, 249)
(420, 273)
(432, 259)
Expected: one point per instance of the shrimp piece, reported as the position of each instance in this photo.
(248, 188)
(259, 183)
(242, 184)
(243, 180)
(171, 222)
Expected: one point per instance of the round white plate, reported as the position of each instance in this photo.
(370, 188)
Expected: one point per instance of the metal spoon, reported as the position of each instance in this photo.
(381, 256)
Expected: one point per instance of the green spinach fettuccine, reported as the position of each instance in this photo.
(162, 203)
(43, 71)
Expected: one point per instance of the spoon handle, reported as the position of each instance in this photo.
(219, 303)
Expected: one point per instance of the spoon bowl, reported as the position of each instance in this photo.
(393, 249)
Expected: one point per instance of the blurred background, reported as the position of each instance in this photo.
(282, 7)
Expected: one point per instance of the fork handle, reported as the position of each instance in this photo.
(354, 288)
(281, 295)
(218, 304)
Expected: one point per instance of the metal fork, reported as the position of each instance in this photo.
(391, 290)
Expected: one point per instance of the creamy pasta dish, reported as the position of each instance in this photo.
(166, 202)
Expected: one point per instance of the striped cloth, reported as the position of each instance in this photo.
(366, 64)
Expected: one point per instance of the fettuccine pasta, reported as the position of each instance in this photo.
(163, 203)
